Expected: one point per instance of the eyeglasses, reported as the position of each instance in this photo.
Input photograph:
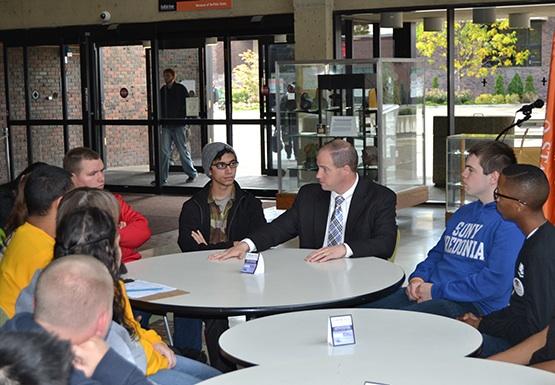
(224, 165)
(497, 195)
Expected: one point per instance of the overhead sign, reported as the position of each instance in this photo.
(192, 5)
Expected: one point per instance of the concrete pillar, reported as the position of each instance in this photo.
(313, 29)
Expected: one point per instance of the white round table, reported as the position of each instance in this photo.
(390, 371)
(218, 289)
(379, 334)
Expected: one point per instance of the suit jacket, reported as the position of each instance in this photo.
(371, 229)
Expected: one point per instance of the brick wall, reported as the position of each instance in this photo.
(73, 83)
(16, 108)
(121, 67)
(124, 67)
(44, 78)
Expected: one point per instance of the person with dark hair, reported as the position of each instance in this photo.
(343, 216)
(34, 358)
(91, 231)
(73, 301)
(214, 218)
(173, 99)
(10, 206)
(471, 267)
(32, 243)
(87, 170)
(520, 195)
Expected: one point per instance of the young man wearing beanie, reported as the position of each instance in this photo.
(215, 218)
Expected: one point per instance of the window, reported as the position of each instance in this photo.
(531, 39)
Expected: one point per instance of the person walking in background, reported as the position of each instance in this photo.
(173, 106)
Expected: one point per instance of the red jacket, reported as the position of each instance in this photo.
(134, 234)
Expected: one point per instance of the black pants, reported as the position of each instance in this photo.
(213, 329)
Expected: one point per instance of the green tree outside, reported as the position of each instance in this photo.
(529, 85)
(499, 85)
(245, 93)
(516, 86)
(480, 49)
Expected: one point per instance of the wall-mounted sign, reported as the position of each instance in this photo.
(123, 92)
(35, 95)
(192, 5)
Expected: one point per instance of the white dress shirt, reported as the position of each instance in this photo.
(348, 195)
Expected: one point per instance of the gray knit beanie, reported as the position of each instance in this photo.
(210, 151)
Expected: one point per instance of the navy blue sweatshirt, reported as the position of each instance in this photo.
(111, 370)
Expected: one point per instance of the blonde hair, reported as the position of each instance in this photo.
(88, 197)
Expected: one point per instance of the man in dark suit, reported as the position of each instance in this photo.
(344, 216)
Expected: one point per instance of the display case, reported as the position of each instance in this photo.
(377, 105)
(526, 145)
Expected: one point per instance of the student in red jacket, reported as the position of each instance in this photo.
(87, 170)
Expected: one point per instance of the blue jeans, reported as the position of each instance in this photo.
(187, 333)
(178, 136)
(185, 372)
(492, 345)
(399, 300)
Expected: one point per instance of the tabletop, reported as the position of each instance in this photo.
(218, 289)
(391, 370)
(379, 334)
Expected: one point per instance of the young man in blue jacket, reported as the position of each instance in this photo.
(470, 269)
(522, 191)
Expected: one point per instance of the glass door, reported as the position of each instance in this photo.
(274, 53)
(43, 118)
(122, 114)
(186, 64)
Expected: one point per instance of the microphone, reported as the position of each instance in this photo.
(527, 108)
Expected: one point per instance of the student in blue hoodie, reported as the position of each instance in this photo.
(470, 269)
(522, 191)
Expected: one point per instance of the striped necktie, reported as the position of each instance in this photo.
(335, 230)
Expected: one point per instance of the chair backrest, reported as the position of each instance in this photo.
(392, 258)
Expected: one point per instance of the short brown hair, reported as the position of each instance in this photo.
(342, 153)
(493, 155)
(169, 71)
(74, 157)
(88, 197)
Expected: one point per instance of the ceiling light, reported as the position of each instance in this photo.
(433, 24)
(281, 38)
(391, 20)
(483, 15)
(519, 20)
(211, 40)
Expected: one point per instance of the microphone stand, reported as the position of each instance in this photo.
(503, 133)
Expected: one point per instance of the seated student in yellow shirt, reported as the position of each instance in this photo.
(32, 244)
